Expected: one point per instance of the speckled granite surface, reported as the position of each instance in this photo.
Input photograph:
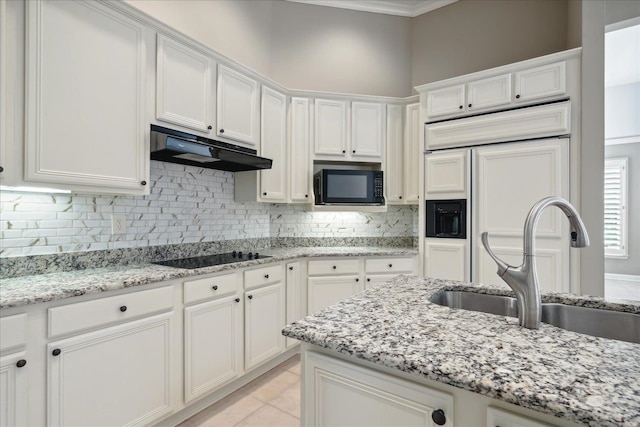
(584, 379)
(24, 290)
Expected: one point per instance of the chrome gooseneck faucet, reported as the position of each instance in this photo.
(524, 279)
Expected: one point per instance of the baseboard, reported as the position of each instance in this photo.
(624, 277)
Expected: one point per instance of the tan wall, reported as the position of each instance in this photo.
(473, 35)
(239, 29)
(338, 50)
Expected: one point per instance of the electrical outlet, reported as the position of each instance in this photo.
(118, 224)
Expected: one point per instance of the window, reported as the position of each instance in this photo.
(615, 209)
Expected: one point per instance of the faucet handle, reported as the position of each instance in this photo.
(502, 266)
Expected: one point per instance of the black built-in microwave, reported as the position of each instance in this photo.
(348, 187)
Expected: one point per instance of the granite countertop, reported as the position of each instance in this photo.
(584, 379)
(25, 290)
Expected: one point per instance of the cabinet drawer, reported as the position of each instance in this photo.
(13, 331)
(333, 266)
(262, 276)
(104, 311)
(210, 287)
(389, 265)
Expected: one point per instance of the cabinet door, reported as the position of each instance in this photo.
(445, 175)
(501, 418)
(264, 320)
(85, 97)
(367, 131)
(412, 153)
(394, 160)
(338, 393)
(446, 259)
(324, 291)
(449, 100)
(491, 92)
(184, 86)
(293, 296)
(509, 180)
(238, 107)
(116, 376)
(330, 127)
(300, 161)
(373, 280)
(540, 82)
(212, 345)
(273, 143)
(13, 390)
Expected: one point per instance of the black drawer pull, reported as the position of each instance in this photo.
(237, 299)
(56, 352)
(21, 363)
(438, 417)
(123, 308)
(221, 130)
(209, 127)
(250, 297)
(214, 287)
(334, 267)
(266, 276)
(291, 268)
(368, 280)
(390, 265)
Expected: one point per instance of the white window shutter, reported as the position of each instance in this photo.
(615, 212)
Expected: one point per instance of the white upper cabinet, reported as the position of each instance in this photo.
(367, 130)
(86, 91)
(412, 154)
(238, 107)
(185, 86)
(449, 100)
(393, 176)
(491, 92)
(274, 145)
(331, 128)
(299, 148)
(540, 82)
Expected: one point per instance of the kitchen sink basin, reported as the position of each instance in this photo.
(591, 321)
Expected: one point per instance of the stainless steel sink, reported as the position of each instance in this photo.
(597, 322)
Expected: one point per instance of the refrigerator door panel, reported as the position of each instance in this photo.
(508, 179)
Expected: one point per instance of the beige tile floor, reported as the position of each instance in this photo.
(272, 399)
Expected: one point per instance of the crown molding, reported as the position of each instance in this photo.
(387, 7)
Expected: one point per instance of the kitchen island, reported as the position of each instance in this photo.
(396, 337)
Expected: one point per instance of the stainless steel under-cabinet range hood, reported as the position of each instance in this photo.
(173, 146)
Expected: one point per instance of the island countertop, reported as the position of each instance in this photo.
(580, 378)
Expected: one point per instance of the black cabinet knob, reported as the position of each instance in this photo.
(438, 417)
(517, 96)
(250, 297)
(368, 279)
(460, 107)
(143, 182)
(237, 299)
(334, 267)
(1, 169)
(214, 287)
(357, 280)
(390, 265)
(123, 308)
(221, 130)
(470, 105)
(291, 268)
(264, 194)
(21, 363)
(209, 127)
(56, 352)
(354, 151)
(344, 151)
(400, 197)
(306, 195)
(266, 276)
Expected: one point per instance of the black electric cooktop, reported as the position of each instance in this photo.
(209, 260)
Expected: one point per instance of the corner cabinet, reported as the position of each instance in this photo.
(86, 90)
(185, 86)
(238, 107)
(273, 145)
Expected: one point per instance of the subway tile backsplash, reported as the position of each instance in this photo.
(186, 205)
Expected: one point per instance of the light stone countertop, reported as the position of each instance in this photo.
(25, 290)
(581, 378)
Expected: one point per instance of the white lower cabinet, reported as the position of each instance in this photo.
(338, 393)
(499, 418)
(446, 259)
(212, 345)
(264, 319)
(294, 284)
(373, 280)
(326, 290)
(13, 390)
(119, 375)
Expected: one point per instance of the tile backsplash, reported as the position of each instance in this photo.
(186, 205)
